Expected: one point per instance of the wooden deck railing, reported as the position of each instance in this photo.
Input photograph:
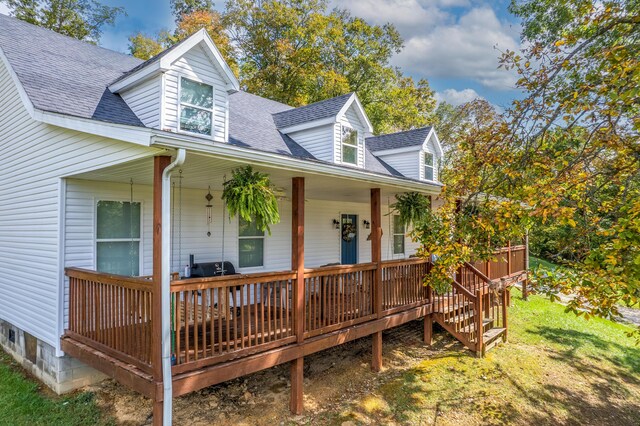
(455, 310)
(338, 297)
(403, 284)
(217, 319)
(506, 261)
(112, 314)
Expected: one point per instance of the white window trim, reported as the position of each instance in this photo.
(96, 240)
(264, 250)
(432, 166)
(393, 237)
(357, 146)
(180, 104)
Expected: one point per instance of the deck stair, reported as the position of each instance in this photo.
(474, 312)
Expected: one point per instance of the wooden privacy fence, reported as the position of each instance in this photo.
(402, 284)
(337, 297)
(113, 314)
(217, 319)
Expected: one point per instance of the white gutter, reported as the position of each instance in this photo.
(165, 288)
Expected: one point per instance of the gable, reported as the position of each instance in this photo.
(194, 65)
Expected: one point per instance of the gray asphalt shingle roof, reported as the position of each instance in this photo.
(315, 111)
(415, 137)
(67, 76)
(64, 75)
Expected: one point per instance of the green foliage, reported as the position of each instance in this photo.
(81, 19)
(179, 8)
(412, 207)
(298, 52)
(250, 194)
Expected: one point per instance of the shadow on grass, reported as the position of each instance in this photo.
(625, 358)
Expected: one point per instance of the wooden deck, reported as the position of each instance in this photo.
(227, 327)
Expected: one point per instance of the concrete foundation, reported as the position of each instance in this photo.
(61, 374)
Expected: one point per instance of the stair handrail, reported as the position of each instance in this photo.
(455, 284)
(475, 270)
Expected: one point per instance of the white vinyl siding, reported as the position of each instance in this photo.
(349, 119)
(407, 162)
(318, 141)
(197, 66)
(144, 101)
(35, 157)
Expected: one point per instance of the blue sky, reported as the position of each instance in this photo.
(455, 44)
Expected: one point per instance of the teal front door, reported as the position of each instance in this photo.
(349, 239)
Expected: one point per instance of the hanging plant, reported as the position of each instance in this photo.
(250, 194)
(412, 207)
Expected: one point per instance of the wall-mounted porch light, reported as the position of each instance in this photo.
(336, 224)
(366, 224)
(209, 210)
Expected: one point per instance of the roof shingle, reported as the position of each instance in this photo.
(312, 112)
(404, 139)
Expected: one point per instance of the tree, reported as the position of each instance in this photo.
(81, 19)
(564, 161)
(189, 19)
(187, 7)
(298, 52)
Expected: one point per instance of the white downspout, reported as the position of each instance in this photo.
(165, 288)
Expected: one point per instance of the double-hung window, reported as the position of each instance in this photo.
(251, 245)
(118, 237)
(349, 145)
(196, 107)
(398, 235)
(429, 166)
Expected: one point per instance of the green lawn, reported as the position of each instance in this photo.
(555, 369)
(22, 402)
(534, 262)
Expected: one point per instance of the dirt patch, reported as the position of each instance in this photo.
(333, 378)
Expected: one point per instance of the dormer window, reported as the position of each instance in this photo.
(349, 145)
(196, 107)
(428, 166)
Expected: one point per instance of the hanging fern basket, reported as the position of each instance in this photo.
(412, 207)
(250, 194)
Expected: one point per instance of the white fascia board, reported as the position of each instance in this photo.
(359, 108)
(396, 150)
(165, 62)
(133, 134)
(432, 133)
(16, 81)
(308, 125)
(271, 160)
(140, 76)
(233, 85)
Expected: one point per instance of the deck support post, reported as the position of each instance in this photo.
(428, 330)
(509, 269)
(297, 264)
(525, 290)
(159, 164)
(376, 257)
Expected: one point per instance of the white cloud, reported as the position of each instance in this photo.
(457, 97)
(409, 16)
(468, 48)
(4, 9)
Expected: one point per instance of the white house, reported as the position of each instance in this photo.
(84, 134)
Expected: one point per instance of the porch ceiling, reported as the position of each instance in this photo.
(200, 172)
